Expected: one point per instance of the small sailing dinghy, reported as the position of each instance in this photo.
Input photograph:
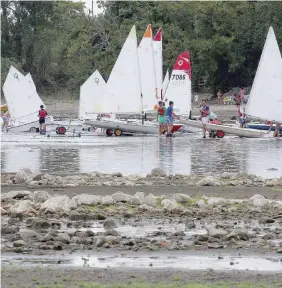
(23, 102)
(265, 100)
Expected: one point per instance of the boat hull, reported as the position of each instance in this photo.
(128, 127)
(262, 127)
(246, 132)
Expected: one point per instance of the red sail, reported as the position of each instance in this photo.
(183, 63)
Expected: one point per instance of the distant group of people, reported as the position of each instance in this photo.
(237, 97)
(165, 117)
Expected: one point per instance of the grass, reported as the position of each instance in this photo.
(276, 189)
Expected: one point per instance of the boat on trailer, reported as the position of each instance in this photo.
(23, 102)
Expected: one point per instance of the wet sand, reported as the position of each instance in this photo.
(192, 191)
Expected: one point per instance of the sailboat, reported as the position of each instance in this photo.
(147, 70)
(158, 60)
(265, 100)
(90, 96)
(23, 102)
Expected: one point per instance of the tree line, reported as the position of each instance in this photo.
(61, 44)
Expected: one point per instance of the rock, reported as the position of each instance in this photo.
(112, 240)
(265, 220)
(117, 174)
(120, 197)
(166, 203)
(23, 176)
(9, 230)
(258, 200)
(135, 201)
(181, 198)
(109, 224)
(40, 196)
(202, 237)
(99, 241)
(279, 251)
(217, 200)
(76, 239)
(64, 238)
(55, 204)
(272, 182)
(201, 203)
(36, 177)
(19, 243)
(107, 200)
(208, 181)
(150, 200)
(226, 175)
(215, 246)
(217, 233)
(58, 246)
(158, 172)
(189, 224)
(140, 195)
(40, 224)
(28, 235)
(240, 234)
(50, 236)
(111, 233)
(21, 207)
(84, 199)
(145, 207)
(16, 195)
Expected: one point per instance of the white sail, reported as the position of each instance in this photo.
(265, 100)
(158, 59)
(91, 95)
(30, 81)
(179, 87)
(123, 92)
(23, 102)
(147, 71)
(165, 84)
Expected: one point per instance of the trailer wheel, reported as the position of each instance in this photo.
(43, 132)
(220, 134)
(118, 132)
(109, 132)
(32, 129)
(61, 130)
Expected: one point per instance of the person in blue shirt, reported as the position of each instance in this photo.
(169, 116)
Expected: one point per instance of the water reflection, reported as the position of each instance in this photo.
(138, 155)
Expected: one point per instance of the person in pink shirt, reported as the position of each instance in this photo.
(242, 94)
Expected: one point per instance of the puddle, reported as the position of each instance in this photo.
(154, 261)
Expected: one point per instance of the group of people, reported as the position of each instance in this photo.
(238, 97)
(165, 117)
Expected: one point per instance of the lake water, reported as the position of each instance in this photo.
(139, 155)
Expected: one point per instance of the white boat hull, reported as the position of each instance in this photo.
(242, 132)
(124, 127)
(27, 127)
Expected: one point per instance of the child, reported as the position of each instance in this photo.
(42, 115)
(169, 116)
(161, 117)
(5, 118)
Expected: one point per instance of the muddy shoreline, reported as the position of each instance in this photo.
(67, 277)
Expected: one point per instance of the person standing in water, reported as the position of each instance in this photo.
(161, 117)
(241, 115)
(5, 118)
(169, 116)
(205, 112)
(42, 115)
(277, 130)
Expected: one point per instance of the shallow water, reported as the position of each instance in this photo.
(138, 155)
(154, 260)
